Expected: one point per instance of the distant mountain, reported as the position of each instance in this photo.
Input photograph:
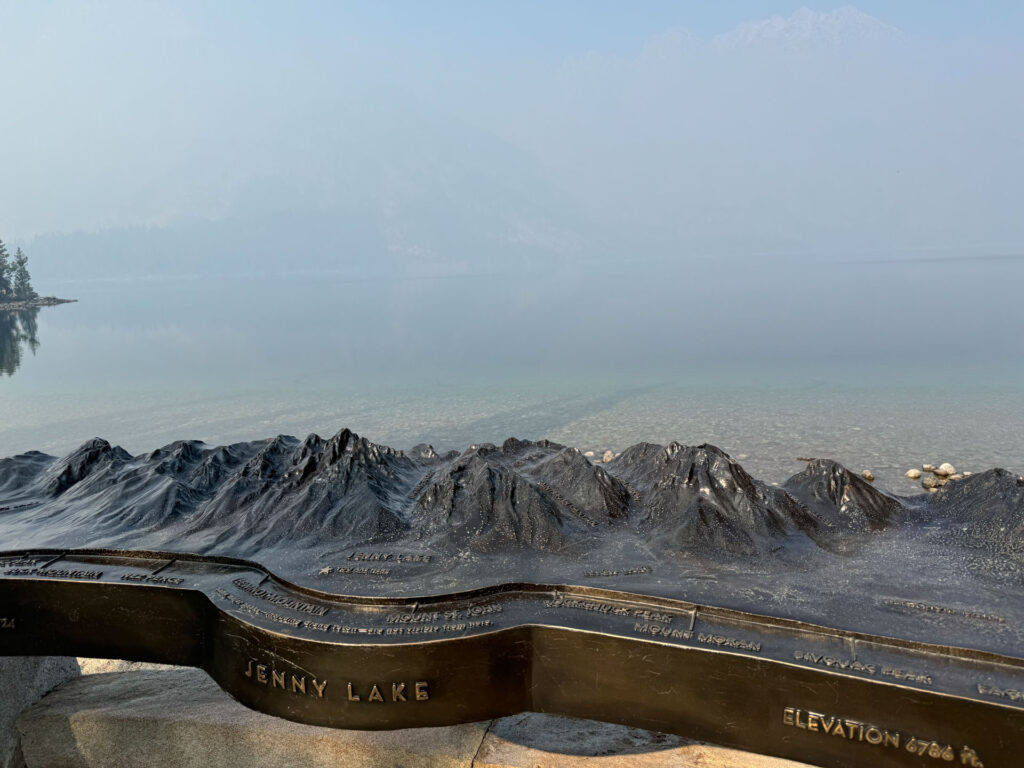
(523, 494)
(806, 27)
(285, 494)
(93, 465)
(17, 472)
(842, 502)
(697, 496)
(985, 511)
(344, 488)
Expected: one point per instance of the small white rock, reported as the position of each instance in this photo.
(868, 475)
(945, 469)
(608, 456)
(956, 477)
(930, 483)
(914, 474)
(967, 474)
(589, 454)
(928, 467)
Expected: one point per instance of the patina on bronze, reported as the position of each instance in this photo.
(823, 621)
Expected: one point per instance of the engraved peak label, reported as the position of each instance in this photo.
(659, 630)
(6, 623)
(561, 601)
(867, 668)
(1003, 693)
(390, 557)
(637, 571)
(400, 692)
(647, 615)
(729, 642)
(280, 600)
(963, 613)
(414, 618)
(288, 681)
(835, 662)
(485, 609)
(150, 579)
(55, 573)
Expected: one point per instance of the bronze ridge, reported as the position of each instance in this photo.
(781, 687)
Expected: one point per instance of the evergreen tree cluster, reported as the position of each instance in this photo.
(15, 282)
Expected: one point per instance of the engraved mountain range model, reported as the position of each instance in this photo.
(245, 498)
(318, 579)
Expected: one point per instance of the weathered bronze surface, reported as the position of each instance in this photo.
(340, 583)
(781, 687)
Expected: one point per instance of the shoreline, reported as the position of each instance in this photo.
(41, 301)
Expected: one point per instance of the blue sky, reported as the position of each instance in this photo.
(572, 26)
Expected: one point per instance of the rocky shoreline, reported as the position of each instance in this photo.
(40, 301)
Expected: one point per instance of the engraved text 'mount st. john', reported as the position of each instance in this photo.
(338, 582)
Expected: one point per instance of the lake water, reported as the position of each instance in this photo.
(879, 364)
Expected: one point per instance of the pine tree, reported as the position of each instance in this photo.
(22, 282)
(5, 273)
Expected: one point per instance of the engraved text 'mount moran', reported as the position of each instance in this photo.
(341, 583)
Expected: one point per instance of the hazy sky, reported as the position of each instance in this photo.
(328, 197)
(437, 131)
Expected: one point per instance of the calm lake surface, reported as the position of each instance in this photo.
(876, 364)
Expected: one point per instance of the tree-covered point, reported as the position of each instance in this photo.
(15, 282)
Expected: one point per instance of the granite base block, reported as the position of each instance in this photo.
(178, 718)
(23, 680)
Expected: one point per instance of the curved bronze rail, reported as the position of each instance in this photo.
(760, 683)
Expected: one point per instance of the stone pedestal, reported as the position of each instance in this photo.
(23, 680)
(179, 717)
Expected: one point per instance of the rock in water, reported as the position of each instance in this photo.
(914, 474)
(945, 470)
(868, 475)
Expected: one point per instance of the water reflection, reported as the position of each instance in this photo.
(18, 330)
